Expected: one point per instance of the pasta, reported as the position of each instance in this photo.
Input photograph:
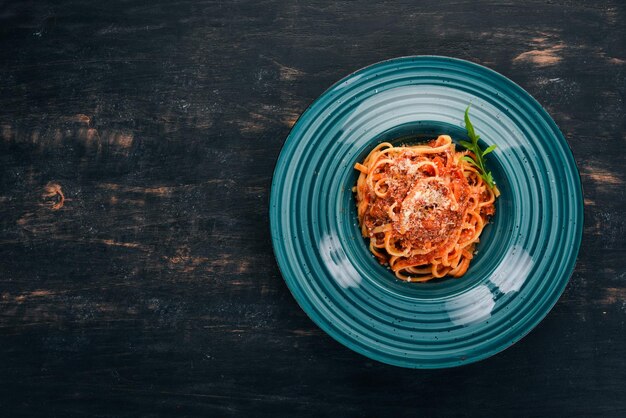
(422, 208)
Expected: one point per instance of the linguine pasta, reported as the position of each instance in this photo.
(422, 208)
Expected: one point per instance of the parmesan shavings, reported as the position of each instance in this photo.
(425, 200)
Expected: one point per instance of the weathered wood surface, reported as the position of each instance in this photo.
(137, 144)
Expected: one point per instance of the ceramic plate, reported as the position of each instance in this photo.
(526, 254)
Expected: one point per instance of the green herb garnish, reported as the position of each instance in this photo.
(479, 161)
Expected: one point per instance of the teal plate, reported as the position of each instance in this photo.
(526, 255)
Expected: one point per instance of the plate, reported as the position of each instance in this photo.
(526, 254)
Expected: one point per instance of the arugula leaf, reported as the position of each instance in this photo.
(479, 160)
(489, 149)
(469, 160)
(468, 124)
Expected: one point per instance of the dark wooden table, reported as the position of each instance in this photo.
(137, 144)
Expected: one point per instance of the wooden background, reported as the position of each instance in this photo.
(137, 144)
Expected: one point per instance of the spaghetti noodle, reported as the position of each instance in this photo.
(423, 208)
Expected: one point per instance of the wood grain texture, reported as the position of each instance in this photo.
(137, 144)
